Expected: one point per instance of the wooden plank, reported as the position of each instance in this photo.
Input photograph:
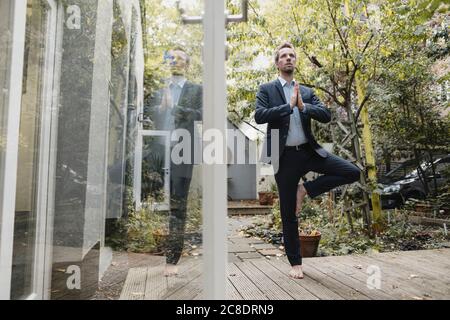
(264, 283)
(359, 185)
(316, 288)
(179, 282)
(428, 221)
(159, 286)
(351, 278)
(134, 287)
(243, 285)
(348, 138)
(417, 288)
(237, 248)
(361, 204)
(344, 192)
(343, 290)
(192, 288)
(436, 269)
(439, 257)
(155, 284)
(295, 290)
(347, 153)
(232, 293)
(429, 270)
(346, 280)
(441, 261)
(388, 285)
(342, 127)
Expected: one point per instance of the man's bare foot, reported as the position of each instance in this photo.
(296, 272)
(170, 270)
(301, 193)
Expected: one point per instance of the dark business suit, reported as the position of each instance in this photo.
(290, 164)
(185, 112)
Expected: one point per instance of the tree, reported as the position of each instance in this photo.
(347, 48)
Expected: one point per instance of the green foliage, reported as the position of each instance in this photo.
(338, 239)
(163, 31)
(194, 208)
(394, 45)
(276, 216)
(146, 230)
(119, 36)
(384, 40)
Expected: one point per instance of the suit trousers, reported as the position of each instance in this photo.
(180, 180)
(292, 166)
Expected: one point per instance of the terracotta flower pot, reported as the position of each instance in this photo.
(266, 198)
(309, 245)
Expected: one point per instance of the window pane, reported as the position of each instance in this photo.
(29, 144)
(171, 189)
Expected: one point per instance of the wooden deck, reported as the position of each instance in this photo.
(411, 275)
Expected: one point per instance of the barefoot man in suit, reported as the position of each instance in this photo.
(289, 108)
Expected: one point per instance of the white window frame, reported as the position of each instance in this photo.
(214, 182)
(12, 113)
(160, 206)
(47, 153)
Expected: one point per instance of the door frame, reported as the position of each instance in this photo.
(12, 112)
(214, 181)
(46, 153)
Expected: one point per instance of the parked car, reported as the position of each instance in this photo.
(395, 194)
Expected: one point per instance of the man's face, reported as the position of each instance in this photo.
(286, 60)
(178, 62)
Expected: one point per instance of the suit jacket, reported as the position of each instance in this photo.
(273, 109)
(186, 112)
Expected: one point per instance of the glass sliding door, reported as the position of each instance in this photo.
(168, 182)
(33, 157)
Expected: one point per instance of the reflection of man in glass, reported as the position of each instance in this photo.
(177, 106)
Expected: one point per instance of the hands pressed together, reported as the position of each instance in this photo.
(296, 99)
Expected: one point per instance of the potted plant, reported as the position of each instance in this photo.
(147, 230)
(309, 240)
(268, 194)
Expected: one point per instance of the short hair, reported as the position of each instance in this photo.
(188, 58)
(282, 46)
